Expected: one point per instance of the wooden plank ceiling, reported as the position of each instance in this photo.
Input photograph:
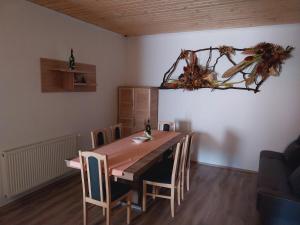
(141, 17)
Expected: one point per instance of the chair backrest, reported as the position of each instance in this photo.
(100, 137)
(185, 155)
(94, 170)
(116, 131)
(166, 126)
(177, 162)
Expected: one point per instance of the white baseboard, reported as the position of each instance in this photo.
(224, 167)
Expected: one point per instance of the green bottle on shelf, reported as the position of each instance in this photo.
(71, 61)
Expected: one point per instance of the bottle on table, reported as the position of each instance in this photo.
(148, 129)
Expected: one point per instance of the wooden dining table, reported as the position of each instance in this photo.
(128, 160)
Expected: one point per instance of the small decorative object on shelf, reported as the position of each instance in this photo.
(262, 61)
(71, 61)
(79, 78)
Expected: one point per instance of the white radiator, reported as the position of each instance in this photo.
(29, 166)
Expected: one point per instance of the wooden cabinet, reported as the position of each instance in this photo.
(136, 106)
(56, 77)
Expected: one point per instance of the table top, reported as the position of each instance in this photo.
(128, 160)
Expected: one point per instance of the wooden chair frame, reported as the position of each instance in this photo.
(107, 205)
(170, 123)
(112, 130)
(175, 182)
(186, 173)
(106, 136)
(186, 164)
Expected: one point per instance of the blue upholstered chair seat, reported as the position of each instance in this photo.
(168, 154)
(117, 191)
(161, 172)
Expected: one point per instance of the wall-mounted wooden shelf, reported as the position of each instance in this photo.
(56, 77)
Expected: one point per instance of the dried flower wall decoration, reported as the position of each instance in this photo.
(260, 62)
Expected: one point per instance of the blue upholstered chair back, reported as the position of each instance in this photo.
(100, 137)
(166, 126)
(94, 178)
(116, 131)
(95, 175)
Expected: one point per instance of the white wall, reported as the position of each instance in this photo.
(29, 32)
(232, 125)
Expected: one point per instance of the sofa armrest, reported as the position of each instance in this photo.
(271, 154)
(279, 195)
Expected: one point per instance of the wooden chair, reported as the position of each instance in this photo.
(186, 157)
(100, 137)
(165, 176)
(186, 173)
(166, 126)
(99, 190)
(116, 132)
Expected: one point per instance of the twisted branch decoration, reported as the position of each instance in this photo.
(266, 60)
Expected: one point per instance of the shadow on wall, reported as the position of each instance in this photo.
(206, 148)
(225, 152)
(200, 141)
(183, 126)
(230, 147)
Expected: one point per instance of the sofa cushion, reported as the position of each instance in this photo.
(292, 154)
(273, 174)
(294, 180)
(272, 155)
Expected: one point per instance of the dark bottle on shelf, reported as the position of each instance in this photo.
(71, 61)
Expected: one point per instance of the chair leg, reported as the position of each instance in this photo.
(178, 193)
(144, 196)
(153, 192)
(108, 215)
(182, 187)
(188, 179)
(103, 211)
(129, 208)
(84, 213)
(172, 201)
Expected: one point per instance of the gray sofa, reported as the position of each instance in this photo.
(278, 189)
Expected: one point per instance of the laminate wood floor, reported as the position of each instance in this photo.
(217, 197)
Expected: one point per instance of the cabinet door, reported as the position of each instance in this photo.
(127, 131)
(126, 109)
(126, 101)
(154, 108)
(141, 108)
